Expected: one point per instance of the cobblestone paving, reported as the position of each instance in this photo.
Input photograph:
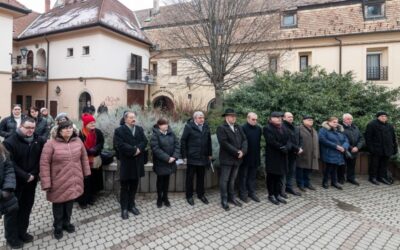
(365, 217)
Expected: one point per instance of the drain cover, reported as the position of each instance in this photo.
(346, 206)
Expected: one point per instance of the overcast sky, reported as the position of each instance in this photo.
(38, 5)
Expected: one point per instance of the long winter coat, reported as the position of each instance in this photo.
(329, 139)
(196, 145)
(354, 136)
(230, 143)
(276, 160)
(8, 126)
(253, 135)
(63, 165)
(309, 158)
(164, 146)
(381, 139)
(7, 175)
(126, 144)
(25, 156)
(295, 138)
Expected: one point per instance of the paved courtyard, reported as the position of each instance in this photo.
(365, 217)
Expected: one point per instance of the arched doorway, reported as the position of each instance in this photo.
(163, 103)
(211, 104)
(83, 99)
(29, 63)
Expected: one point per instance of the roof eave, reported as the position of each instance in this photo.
(15, 8)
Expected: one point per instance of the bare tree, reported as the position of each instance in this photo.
(224, 41)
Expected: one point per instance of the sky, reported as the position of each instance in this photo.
(38, 5)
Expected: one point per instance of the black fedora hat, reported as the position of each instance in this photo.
(229, 111)
(276, 114)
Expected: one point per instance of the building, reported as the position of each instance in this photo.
(9, 10)
(362, 36)
(79, 51)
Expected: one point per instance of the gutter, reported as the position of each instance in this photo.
(340, 54)
(14, 8)
(48, 72)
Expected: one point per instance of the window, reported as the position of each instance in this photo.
(28, 102)
(136, 67)
(303, 62)
(154, 69)
(374, 9)
(174, 68)
(85, 50)
(19, 100)
(70, 52)
(273, 64)
(19, 59)
(289, 20)
(375, 70)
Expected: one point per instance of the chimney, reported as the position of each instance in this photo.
(46, 5)
(156, 7)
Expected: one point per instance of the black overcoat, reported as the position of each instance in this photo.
(276, 158)
(196, 145)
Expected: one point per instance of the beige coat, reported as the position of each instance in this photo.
(309, 158)
(63, 166)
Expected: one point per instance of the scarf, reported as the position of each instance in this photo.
(278, 126)
(90, 142)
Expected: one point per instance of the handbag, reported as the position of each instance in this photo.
(97, 162)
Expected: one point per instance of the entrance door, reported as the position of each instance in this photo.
(135, 97)
(53, 108)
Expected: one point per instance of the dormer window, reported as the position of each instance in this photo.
(374, 9)
(289, 20)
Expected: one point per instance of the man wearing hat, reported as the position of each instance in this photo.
(278, 145)
(233, 146)
(308, 159)
(381, 142)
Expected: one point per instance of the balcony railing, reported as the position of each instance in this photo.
(29, 75)
(141, 77)
(377, 73)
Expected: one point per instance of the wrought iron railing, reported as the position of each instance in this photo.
(141, 77)
(377, 73)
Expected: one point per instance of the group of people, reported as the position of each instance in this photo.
(66, 160)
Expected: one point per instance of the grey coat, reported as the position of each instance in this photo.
(309, 158)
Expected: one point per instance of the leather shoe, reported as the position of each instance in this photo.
(70, 228)
(167, 203)
(337, 186)
(134, 210)
(384, 181)
(273, 200)
(280, 199)
(291, 191)
(325, 185)
(235, 202)
(26, 238)
(190, 201)
(244, 199)
(354, 182)
(373, 181)
(302, 189)
(15, 244)
(159, 202)
(58, 234)
(254, 198)
(284, 195)
(204, 200)
(225, 205)
(124, 214)
(311, 187)
(341, 182)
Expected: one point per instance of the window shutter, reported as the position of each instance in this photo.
(139, 67)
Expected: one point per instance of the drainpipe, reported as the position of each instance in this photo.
(340, 54)
(48, 72)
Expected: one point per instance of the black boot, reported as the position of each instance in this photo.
(159, 200)
(166, 201)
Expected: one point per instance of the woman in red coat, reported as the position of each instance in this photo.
(63, 166)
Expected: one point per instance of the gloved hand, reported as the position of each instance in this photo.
(284, 149)
(6, 195)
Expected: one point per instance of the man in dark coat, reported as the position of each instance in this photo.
(251, 161)
(381, 142)
(10, 123)
(233, 146)
(25, 148)
(297, 149)
(356, 143)
(196, 149)
(130, 142)
(278, 145)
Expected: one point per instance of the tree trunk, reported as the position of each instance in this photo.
(219, 99)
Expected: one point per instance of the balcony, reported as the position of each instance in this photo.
(29, 74)
(139, 77)
(377, 73)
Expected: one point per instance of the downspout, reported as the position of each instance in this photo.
(340, 54)
(48, 72)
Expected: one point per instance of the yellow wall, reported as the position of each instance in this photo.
(5, 94)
